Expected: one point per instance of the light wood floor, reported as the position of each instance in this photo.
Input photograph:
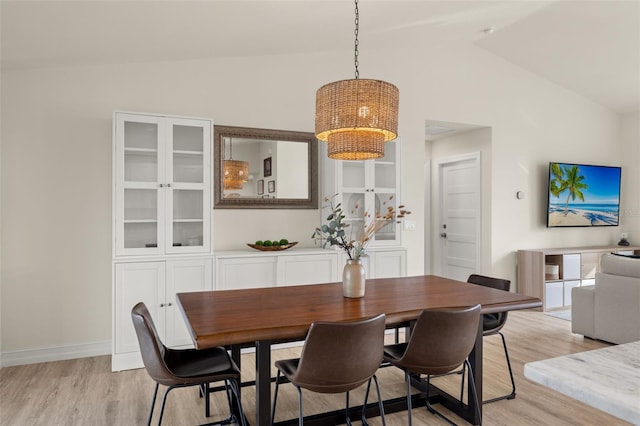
(85, 391)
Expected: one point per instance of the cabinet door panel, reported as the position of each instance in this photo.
(390, 264)
(246, 273)
(137, 282)
(314, 269)
(184, 276)
(189, 195)
(571, 266)
(553, 297)
(568, 285)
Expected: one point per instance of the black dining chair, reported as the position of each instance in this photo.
(492, 324)
(441, 340)
(336, 357)
(184, 367)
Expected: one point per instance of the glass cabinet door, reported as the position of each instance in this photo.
(163, 180)
(369, 188)
(385, 177)
(188, 177)
(139, 199)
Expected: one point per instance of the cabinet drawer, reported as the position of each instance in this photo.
(568, 285)
(571, 266)
(553, 297)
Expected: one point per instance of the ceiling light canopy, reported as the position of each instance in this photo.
(356, 117)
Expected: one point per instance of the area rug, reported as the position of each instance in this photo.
(565, 314)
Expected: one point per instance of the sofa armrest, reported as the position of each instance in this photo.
(617, 308)
(583, 310)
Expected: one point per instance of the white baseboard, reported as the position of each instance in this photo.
(55, 353)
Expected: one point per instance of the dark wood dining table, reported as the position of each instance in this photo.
(261, 317)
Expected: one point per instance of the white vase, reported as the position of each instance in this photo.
(353, 279)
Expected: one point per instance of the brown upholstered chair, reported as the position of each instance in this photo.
(492, 324)
(184, 367)
(440, 341)
(336, 357)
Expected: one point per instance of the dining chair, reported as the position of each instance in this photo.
(492, 324)
(440, 341)
(336, 357)
(185, 367)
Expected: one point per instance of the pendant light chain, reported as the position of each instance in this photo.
(355, 57)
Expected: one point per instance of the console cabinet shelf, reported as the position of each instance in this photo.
(551, 273)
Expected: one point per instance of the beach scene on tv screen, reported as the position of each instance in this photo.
(581, 195)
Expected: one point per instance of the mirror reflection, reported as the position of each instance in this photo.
(263, 168)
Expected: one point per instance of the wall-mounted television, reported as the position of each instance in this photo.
(583, 195)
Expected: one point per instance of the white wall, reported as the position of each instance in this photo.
(56, 161)
(630, 203)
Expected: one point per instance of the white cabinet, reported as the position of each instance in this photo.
(162, 184)
(381, 262)
(162, 172)
(244, 269)
(155, 283)
(367, 187)
(552, 273)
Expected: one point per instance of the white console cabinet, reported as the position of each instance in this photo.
(252, 269)
(155, 283)
(551, 273)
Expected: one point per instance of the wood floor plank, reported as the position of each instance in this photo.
(85, 391)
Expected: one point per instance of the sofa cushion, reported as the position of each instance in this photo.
(620, 265)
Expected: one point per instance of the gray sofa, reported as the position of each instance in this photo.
(610, 309)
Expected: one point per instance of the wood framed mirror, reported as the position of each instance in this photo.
(279, 168)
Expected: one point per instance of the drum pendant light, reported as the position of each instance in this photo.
(236, 173)
(356, 117)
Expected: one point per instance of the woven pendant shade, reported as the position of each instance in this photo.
(356, 117)
(236, 173)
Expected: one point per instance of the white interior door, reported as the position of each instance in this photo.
(457, 251)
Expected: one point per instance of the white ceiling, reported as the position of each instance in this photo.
(589, 47)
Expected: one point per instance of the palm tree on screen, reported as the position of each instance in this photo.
(567, 178)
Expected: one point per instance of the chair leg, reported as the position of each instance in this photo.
(236, 389)
(511, 395)
(153, 404)
(164, 401)
(380, 403)
(364, 405)
(346, 411)
(275, 398)
(433, 410)
(300, 416)
(407, 378)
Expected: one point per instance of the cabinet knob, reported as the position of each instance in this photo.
(162, 185)
(168, 185)
(162, 305)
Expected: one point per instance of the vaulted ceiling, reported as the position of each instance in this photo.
(589, 47)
